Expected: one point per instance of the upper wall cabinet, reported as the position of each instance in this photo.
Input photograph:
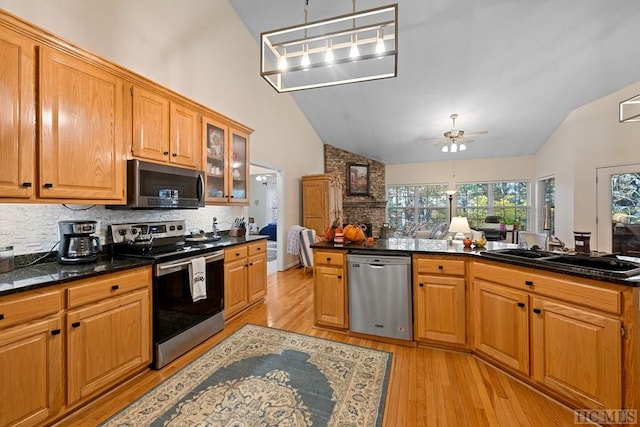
(164, 130)
(226, 162)
(81, 130)
(17, 115)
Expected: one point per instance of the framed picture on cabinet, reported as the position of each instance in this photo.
(357, 179)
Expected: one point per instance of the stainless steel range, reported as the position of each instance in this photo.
(180, 321)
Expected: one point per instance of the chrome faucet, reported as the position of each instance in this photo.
(215, 227)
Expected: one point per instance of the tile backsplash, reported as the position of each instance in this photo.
(33, 228)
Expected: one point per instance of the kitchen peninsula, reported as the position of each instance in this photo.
(569, 333)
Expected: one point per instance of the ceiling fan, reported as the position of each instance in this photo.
(456, 139)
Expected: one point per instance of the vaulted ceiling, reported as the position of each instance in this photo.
(515, 68)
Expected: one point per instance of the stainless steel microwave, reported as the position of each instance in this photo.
(155, 186)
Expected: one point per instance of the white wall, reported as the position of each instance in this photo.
(198, 48)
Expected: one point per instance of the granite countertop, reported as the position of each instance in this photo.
(44, 274)
(443, 247)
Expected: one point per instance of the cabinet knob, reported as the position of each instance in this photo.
(115, 287)
(328, 259)
(421, 285)
(237, 253)
(520, 304)
(339, 277)
(440, 267)
(1, 316)
(55, 332)
(75, 324)
(528, 282)
(26, 184)
(174, 155)
(166, 153)
(48, 185)
(537, 311)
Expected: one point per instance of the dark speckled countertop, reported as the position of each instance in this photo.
(23, 279)
(442, 247)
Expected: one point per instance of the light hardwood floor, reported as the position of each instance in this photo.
(428, 387)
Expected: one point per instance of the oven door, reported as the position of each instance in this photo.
(179, 323)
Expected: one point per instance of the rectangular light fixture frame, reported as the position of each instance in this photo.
(630, 110)
(368, 28)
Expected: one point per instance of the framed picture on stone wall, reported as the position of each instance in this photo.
(357, 179)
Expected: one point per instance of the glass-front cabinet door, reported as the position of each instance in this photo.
(215, 135)
(238, 167)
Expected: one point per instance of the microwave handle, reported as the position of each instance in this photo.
(200, 189)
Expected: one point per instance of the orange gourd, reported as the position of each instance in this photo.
(353, 233)
(328, 233)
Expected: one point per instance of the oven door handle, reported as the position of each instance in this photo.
(208, 259)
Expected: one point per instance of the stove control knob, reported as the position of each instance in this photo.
(134, 231)
(122, 232)
(172, 228)
(180, 227)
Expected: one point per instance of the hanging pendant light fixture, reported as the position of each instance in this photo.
(332, 51)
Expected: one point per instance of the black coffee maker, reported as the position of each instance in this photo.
(77, 246)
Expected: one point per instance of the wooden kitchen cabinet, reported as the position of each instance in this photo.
(439, 300)
(321, 202)
(501, 324)
(108, 331)
(588, 370)
(330, 289)
(164, 130)
(245, 276)
(226, 161)
(81, 130)
(17, 115)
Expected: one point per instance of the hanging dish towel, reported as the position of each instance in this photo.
(293, 239)
(198, 278)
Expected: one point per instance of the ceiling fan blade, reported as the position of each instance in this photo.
(482, 132)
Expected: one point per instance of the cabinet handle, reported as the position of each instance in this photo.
(48, 185)
(537, 311)
(174, 155)
(528, 282)
(75, 324)
(26, 184)
(55, 332)
(237, 253)
(115, 287)
(520, 304)
(231, 196)
(440, 267)
(421, 285)
(166, 153)
(339, 277)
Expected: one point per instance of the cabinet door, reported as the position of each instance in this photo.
(81, 138)
(238, 166)
(150, 125)
(31, 372)
(257, 278)
(439, 306)
(106, 341)
(17, 115)
(235, 287)
(185, 136)
(577, 353)
(501, 324)
(215, 140)
(330, 296)
(315, 204)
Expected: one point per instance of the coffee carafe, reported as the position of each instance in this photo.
(77, 246)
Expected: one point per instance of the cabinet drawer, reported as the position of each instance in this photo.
(18, 309)
(236, 252)
(440, 266)
(101, 287)
(585, 292)
(257, 248)
(329, 258)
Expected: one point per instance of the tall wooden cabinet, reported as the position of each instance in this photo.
(321, 202)
(17, 115)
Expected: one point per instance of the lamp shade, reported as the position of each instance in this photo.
(460, 226)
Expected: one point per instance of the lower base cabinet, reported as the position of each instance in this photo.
(330, 289)
(245, 276)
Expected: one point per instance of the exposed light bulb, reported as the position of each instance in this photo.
(454, 147)
(328, 56)
(463, 146)
(282, 61)
(445, 148)
(305, 57)
(380, 48)
(355, 51)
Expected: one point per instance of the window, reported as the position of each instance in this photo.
(422, 206)
(546, 197)
(506, 200)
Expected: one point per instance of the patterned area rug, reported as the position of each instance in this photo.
(262, 376)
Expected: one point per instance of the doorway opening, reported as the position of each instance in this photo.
(264, 211)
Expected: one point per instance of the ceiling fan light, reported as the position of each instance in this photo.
(454, 147)
(445, 148)
(463, 146)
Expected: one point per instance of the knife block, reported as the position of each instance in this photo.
(237, 232)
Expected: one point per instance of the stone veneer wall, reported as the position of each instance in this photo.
(359, 209)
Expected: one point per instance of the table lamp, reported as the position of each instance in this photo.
(460, 226)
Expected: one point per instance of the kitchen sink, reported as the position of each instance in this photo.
(604, 266)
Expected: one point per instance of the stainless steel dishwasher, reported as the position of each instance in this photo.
(380, 295)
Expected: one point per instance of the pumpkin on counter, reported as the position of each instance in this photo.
(353, 233)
